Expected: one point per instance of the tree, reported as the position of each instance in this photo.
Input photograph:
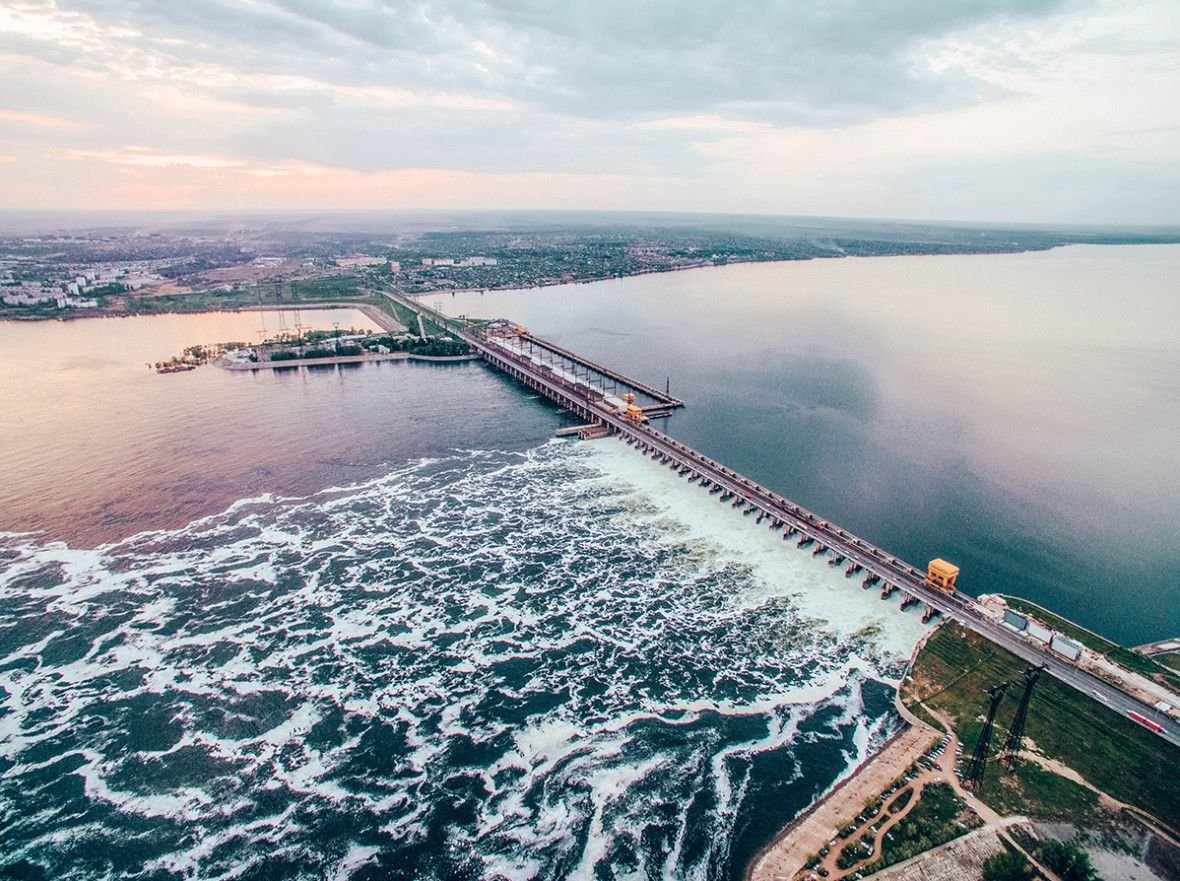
(1068, 861)
(1006, 866)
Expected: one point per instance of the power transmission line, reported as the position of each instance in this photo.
(974, 779)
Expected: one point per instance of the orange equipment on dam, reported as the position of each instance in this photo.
(624, 406)
(941, 575)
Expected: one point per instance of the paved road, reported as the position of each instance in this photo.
(908, 578)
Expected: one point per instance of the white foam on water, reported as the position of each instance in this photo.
(434, 603)
(818, 590)
(543, 742)
(609, 785)
(356, 857)
(185, 803)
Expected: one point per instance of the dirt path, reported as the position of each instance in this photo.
(944, 771)
(784, 857)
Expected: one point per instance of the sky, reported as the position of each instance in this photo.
(1063, 111)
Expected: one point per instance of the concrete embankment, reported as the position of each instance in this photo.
(958, 859)
(342, 359)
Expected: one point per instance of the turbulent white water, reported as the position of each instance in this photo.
(559, 664)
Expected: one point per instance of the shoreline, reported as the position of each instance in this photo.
(372, 312)
(785, 855)
(389, 323)
(383, 320)
(340, 359)
(496, 289)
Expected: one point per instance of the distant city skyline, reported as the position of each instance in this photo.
(1031, 111)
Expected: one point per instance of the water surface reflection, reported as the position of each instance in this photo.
(1018, 413)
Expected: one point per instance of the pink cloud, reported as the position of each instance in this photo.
(135, 178)
(39, 120)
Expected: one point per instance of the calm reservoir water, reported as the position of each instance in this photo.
(376, 623)
(1018, 414)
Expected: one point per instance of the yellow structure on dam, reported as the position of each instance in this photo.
(942, 575)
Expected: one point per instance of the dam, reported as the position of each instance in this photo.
(613, 405)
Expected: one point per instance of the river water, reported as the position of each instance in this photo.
(376, 623)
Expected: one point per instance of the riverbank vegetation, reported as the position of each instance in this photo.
(938, 817)
(1007, 866)
(192, 357)
(320, 344)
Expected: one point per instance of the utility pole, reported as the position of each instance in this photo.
(261, 318)
(978, 765)
(1016, 733)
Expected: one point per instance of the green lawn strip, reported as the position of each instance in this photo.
(310, 293)
(1120, 655)
(206, 301)
(434, 323)
(1171, 660)
(437, 322)
(433, 328)
(1037, 792)
(404, 314)
(1113, 753)
(1070, 629)
(330, 287)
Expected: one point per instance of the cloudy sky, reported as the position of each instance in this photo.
(1004, 110)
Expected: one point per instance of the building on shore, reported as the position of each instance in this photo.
(354, 260)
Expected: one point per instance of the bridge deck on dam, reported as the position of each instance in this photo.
(578, 394)
(793, 519)
(661, 398)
